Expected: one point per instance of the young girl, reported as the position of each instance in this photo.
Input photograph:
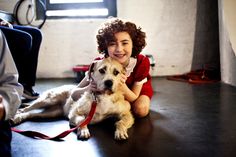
(123, 41)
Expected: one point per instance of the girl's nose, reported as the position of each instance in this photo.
(119, 47)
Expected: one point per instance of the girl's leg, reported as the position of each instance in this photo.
(141, 106)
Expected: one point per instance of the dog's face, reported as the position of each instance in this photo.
(106, 74)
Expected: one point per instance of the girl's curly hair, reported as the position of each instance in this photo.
(106, 34)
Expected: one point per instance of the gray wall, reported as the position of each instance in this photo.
(182, 35)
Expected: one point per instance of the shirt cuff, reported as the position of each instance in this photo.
(141, 82)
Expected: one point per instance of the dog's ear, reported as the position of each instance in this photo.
(91, 69)
(123, 71)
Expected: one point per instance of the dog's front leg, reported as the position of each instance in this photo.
(125, 122)
(83, 133)
(75, 120)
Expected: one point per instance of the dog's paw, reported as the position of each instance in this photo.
(121, 135)
(16, 120)
(83, 133)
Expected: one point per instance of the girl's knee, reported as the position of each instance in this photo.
(141, 107)
(141, 112)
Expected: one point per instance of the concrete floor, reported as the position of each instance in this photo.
(185, 120)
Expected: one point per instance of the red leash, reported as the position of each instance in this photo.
(35, 134)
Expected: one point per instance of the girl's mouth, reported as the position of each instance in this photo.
(119, 55)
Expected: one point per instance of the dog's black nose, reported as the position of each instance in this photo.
(108, 84)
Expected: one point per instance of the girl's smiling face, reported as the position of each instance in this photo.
(121, 49)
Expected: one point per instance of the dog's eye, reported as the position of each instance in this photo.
(116, 72)
(102, 71)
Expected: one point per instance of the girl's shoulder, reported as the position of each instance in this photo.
(141, 70)
(143, 60)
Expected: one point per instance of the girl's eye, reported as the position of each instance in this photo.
(102, 71)
(112, 44)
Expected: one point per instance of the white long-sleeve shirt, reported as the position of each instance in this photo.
(10, 89)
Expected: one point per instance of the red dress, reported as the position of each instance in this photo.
(140, 72)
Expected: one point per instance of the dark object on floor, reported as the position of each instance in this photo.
(198, 76)
(151, 60)
(30, 94)
(80, 71)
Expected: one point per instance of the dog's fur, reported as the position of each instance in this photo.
(58, 102)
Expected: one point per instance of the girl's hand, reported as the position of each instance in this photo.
(123, 78)
(77, 92)
(93, 87)
(122, 84)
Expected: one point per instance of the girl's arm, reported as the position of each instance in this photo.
(84, 85)
(133, 93)
(81, 88)
(140, 78)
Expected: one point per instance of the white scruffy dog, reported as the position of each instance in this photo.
(58, 102)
